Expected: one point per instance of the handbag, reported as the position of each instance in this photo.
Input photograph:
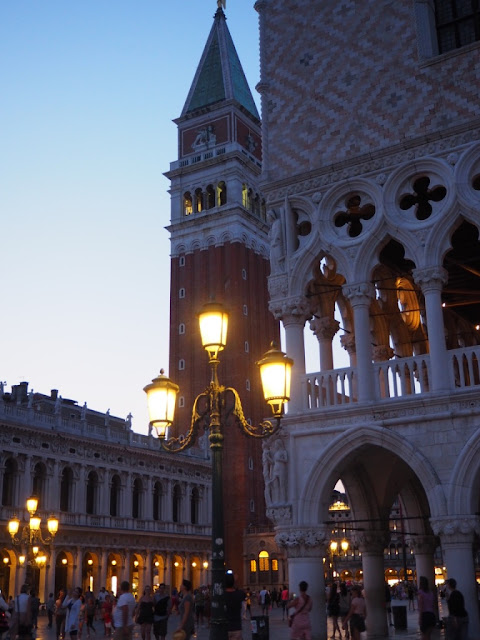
(290, 618)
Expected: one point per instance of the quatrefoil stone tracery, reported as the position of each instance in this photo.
(353, 215)
(421, 197)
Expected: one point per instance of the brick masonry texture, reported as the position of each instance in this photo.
(344, 79)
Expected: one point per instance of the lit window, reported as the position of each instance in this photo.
(253, 566)
(187, 203)
(263, 561)
(245, 196)
(221, 194)
(274, 564)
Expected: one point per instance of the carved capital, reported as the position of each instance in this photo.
(372, 542)
(348, 343)
(382, 352)
(459, 530)
(291, 311)
(359, 293)
(300, 543)
(430, 278)
(280, 515)
(324, 328)
(421, 544)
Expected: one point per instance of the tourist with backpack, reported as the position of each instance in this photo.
(162, 607)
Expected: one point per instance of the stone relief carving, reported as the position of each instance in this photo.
(275, 472)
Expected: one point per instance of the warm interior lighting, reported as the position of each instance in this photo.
(175, 564)
(276, 375)
(52, 525)
(213, 321)
(13, 526)
(64, 561)
(35, 523)
(205, 565)
(135, 563)
(344, 544)
(333, 546)
(161, 399)
(114, 562)
(90, 562)
(157, 564)
(194, 564)
(6, 560)
(32, 504)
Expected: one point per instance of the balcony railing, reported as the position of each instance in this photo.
(394, 378)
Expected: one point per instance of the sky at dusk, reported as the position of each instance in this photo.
(89, 91)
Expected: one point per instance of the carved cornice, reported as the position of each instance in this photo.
(380, 162)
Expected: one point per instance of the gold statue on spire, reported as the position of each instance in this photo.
(222, 3)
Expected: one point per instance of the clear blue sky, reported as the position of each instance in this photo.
(89, 91)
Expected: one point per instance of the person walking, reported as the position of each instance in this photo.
(234, 599)
(333, 609)
(264, 601)
(50, 607)
(284, 597)
(90, 608)
(299, 620)
(60, 615)
(162, 607)
(457, 621)
(22, 625)
(145, 613)
(73, 603)
(357, 614)
(123, 613)
(426, 609)
(186, 610)
(344, 602)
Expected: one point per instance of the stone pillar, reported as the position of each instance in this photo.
(457, 537)
(24, 486)
(52, 563)
(372, 545)
(305, 551)
(168, 501)
(103, 568)
(125, 571)
(431, 281)
(293, 314)
(148, 578)
(360, 296)
(78, 568)
(424, 549)
(382, 353)
(325, 329)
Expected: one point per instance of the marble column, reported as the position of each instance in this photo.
(372, 545)
(457, 536)
(293, 314)
(325, 329)
(306, 549)
(431, 281)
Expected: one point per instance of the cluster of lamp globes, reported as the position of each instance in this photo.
(32, 533)
(275, 372)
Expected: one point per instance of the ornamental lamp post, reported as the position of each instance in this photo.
(275, 372)
(30, 536)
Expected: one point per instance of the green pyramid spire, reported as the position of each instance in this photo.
(220, 74)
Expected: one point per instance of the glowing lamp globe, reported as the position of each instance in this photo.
(276, 376)
(213, 321)
(161, 399)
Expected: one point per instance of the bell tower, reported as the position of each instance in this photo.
(220, 251)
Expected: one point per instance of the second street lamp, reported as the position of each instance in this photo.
(209, 413)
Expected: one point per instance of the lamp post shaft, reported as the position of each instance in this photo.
(218, 629)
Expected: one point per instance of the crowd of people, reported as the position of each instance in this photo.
(73, 613)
